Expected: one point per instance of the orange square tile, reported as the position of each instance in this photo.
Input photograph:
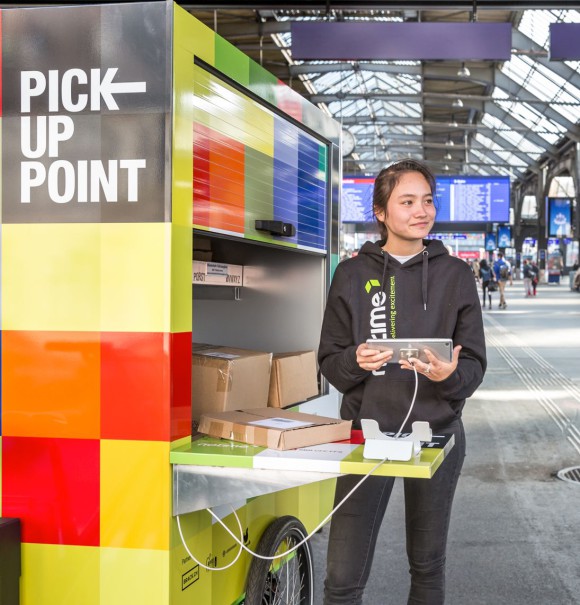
(51, 384)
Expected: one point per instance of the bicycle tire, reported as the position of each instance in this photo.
(285, 581)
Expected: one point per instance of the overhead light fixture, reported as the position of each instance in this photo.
(453, 124)
(447, 156)
(457, 103)
(449, 143)
(446, 168)
(463, 71)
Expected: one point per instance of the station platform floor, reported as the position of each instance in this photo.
(515, 526)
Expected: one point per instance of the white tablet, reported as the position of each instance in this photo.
(403, 348)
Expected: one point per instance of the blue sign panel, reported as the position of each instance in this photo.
(473, 199)
(350, 40)
(564, 41)
(357, 199)
(504, 236)
(560, 214)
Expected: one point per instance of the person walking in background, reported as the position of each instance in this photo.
(486, 276)
(502, 273)
(475, 265)
(535, 270)
(403, 286)
(528, 275)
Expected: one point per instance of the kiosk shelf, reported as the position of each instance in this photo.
(209, 472)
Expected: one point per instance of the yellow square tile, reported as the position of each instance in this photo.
(54, 574)
(50, 277)
(134, 576)
(135, 278)
(135, 494)
(87, 277)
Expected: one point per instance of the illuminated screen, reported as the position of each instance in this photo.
(467, 199)
(504, 236)
(357, 199)
(460, 199)
(560, 214)
(490, 242)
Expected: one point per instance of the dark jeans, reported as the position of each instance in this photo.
(355, 527)
(484, 290)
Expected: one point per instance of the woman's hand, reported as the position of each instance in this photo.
(435, 370)
(371, 359)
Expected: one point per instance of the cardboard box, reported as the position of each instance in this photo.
(217, 274)
(275, 428)
(203, 255)
(227, 378)
(293, 378)
(201, 243)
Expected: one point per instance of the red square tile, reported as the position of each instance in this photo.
(135, 385)
(181, 385)
(52, 485)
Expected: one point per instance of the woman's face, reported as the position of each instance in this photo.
(410, 212)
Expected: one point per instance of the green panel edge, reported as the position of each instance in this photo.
(230, 61)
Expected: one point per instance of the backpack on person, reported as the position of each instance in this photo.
(504, 272)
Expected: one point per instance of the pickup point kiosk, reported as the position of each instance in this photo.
(128, 132)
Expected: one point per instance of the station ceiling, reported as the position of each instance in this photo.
(473, 117)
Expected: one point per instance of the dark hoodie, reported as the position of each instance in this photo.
(433, 295)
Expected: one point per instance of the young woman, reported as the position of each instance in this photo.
(402, 286)
(486, 275)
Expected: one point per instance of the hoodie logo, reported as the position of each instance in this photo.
(371, 283)
(378, 314)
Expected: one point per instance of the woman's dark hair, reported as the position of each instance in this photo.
(387, 180)
(483, 264)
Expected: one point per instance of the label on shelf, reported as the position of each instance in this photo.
(217, 274)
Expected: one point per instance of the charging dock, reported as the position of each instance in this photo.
(379, 446)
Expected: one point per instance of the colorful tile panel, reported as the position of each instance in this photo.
(258, 165)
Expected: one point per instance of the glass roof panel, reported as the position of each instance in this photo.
(536, 24)
(527, 130)
(399, 109)
(523, 145)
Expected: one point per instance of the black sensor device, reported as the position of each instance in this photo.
(276, 228)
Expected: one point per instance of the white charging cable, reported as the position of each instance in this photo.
(239, 540)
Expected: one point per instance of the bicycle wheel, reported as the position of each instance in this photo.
(287, 580)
